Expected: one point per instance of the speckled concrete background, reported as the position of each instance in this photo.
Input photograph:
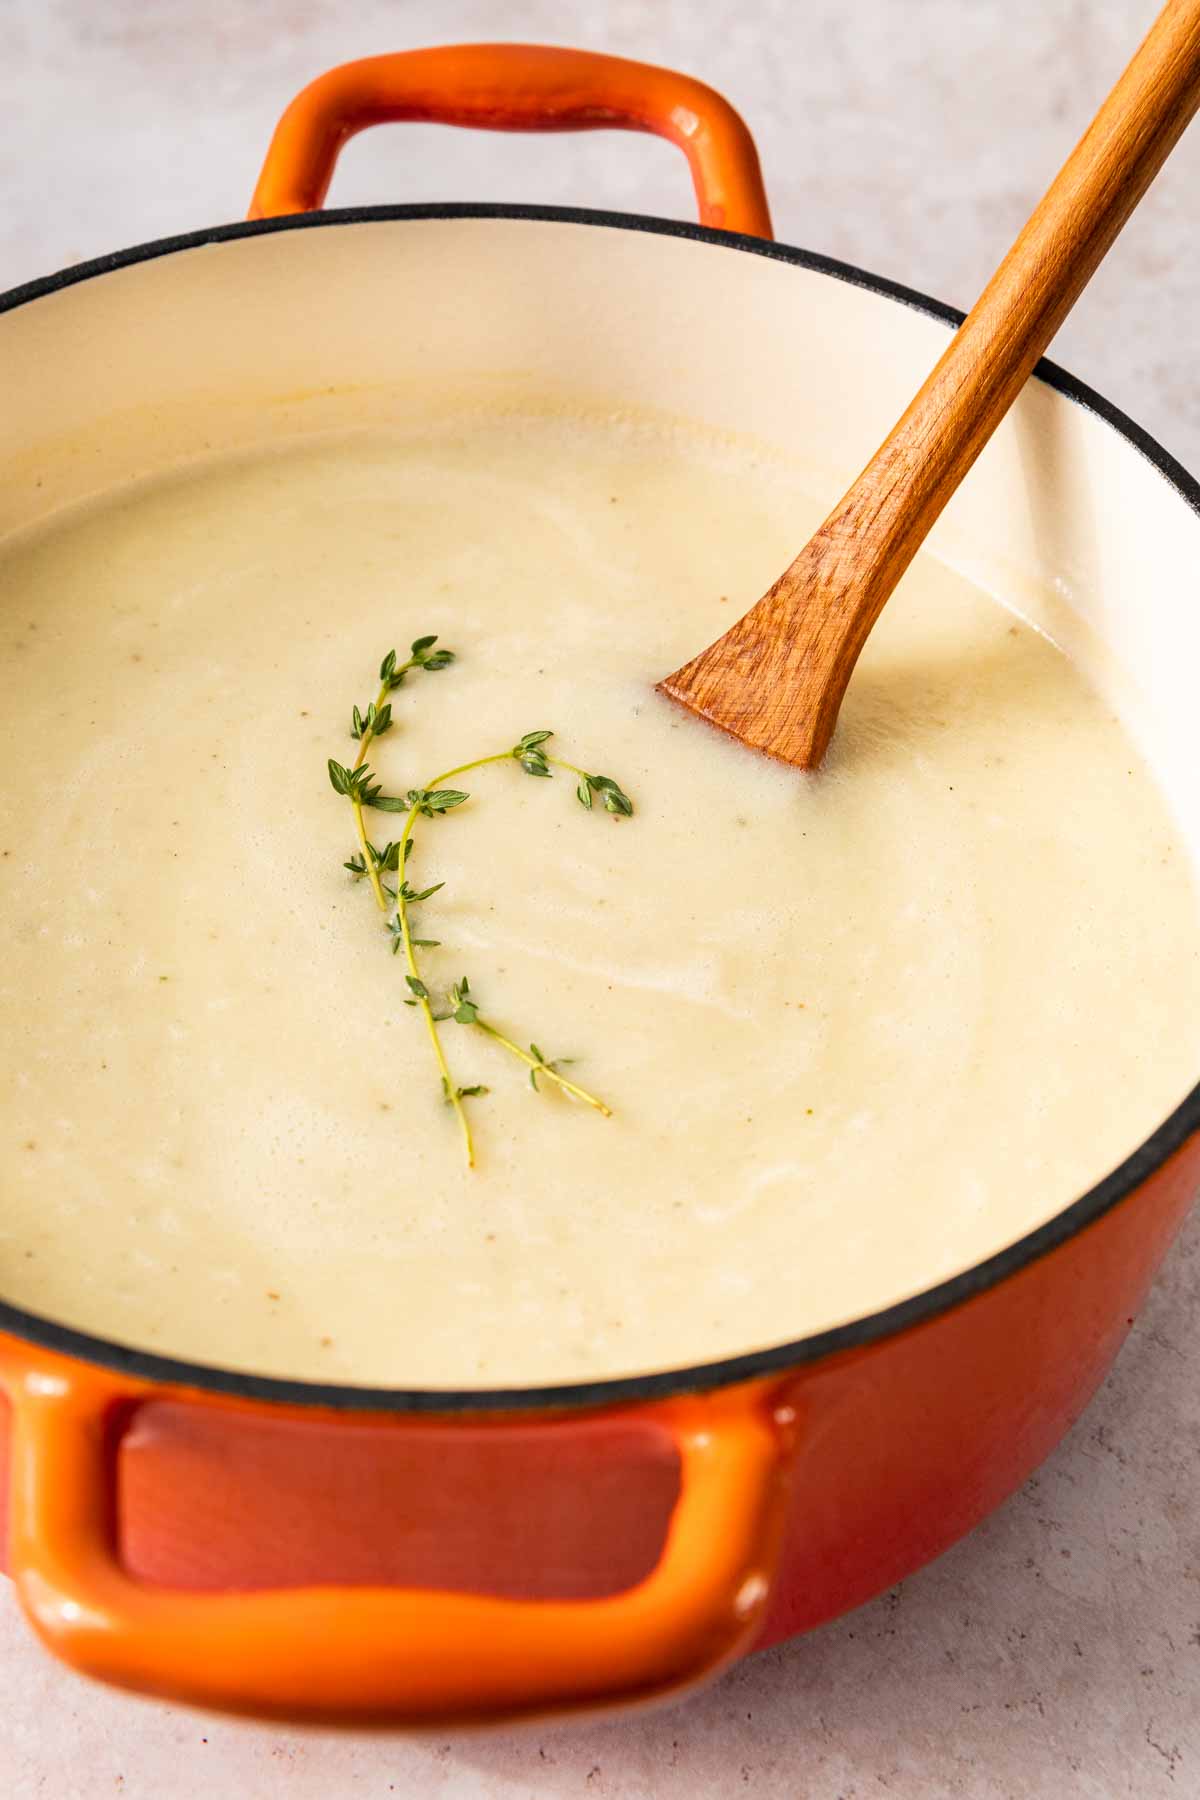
(1056, 1653)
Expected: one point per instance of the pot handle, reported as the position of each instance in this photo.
(381, 1654)
(515, 87)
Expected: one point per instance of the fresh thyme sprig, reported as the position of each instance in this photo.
(432, 801)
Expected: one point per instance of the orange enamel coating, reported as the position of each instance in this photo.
(516, 87)
(408, 1657)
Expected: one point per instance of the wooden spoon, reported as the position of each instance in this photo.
(775, 680)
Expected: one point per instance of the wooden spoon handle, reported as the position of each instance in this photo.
(777, 677)
(924, 459)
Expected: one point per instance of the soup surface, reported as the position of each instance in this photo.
(857, 1030)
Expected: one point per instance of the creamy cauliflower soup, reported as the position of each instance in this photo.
(856, 1030)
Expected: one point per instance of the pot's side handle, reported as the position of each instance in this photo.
(391, 1655)
(516, 87)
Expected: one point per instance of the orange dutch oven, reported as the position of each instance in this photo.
(316, 1551)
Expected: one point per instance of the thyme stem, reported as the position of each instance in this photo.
(561, 763)
(542, 1067)
(410, 955)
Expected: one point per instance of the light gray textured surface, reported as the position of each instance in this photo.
(1057, 1651)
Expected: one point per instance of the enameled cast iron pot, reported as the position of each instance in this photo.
(316, 1551)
